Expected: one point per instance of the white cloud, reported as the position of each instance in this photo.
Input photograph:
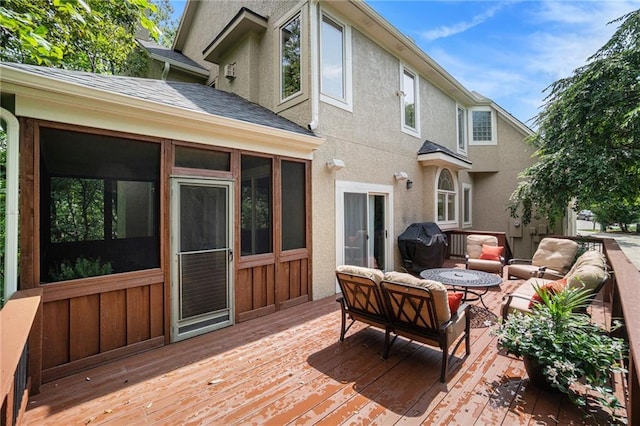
(460, 27)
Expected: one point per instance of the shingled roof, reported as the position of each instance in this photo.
(189, 96)
(429, 147)
(172, 55)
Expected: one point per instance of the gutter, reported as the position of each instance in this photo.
(11, 215)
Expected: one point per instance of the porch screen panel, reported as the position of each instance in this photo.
(355, 229)
(203, 250)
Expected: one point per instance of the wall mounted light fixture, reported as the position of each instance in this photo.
(409, 184)
(335, 164)
(401, 175)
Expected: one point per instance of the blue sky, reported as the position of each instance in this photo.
(509, 51)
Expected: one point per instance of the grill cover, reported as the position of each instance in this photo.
(422, 246)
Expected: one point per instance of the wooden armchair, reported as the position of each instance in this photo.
(419, 310)
(551, 260)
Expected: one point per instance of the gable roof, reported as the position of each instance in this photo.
(188, 96)
(177, 59)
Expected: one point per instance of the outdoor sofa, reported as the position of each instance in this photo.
(403, 305)
(589, 271)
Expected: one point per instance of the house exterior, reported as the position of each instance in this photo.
(325, 134)
(405, 141)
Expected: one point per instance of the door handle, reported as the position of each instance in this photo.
(230, 255)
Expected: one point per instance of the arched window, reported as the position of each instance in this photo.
(447, 197)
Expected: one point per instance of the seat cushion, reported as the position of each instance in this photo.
(438, 291)
(493, 266)
(524, 293)
(555, 253)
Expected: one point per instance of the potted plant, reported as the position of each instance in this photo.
(564, 348)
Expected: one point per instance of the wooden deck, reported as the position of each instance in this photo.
(290, 368)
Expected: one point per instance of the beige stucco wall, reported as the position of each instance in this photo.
(368, 138)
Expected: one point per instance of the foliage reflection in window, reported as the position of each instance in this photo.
(99, 204)
(255, 214)
(408, 86)
(290, 58)
(446, 197)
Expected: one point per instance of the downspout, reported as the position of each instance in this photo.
(314, 94)
(165, 71)
(11, 224)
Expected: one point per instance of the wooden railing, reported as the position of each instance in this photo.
(457, 240)
(17, 318)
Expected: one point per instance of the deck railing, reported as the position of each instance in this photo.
(622, 295)
(17, 318)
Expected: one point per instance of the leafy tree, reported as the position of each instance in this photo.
(588, 144)
(89, 35)
(621, 213)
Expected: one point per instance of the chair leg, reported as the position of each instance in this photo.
(445, 365)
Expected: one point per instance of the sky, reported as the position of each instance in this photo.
(509, 51)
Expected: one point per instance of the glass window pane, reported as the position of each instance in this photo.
(451, 207)
(202, 159)
(99, 205)
(445, 182)
(467, 205)
(255, 209)
(481, 125)
(290, 57)
(355, 229)
(332, 57)
(293, 205)
(441, 204)
(461, 130)
(408, 87)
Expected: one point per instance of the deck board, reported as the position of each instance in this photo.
(290, 368)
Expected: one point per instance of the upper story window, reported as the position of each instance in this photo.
(410, 110)
(447, 196)
(335, 62)
(461, 122)
(483, 126)
(290, 58)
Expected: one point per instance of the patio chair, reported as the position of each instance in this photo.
(361, 298)
(552, 260)
(484, 254)
(419, 310)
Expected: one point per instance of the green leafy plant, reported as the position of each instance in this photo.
(577, 357)
(82, 268)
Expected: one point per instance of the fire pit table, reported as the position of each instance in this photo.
(468, 281)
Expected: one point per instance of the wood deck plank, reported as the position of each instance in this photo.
(291, 369)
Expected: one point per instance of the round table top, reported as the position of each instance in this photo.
(462, 277)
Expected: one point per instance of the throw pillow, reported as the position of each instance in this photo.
(454, 301)
(549, 288)
(491, 252)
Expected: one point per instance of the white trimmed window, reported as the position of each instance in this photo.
(410, 105)
(335, 62)
(446, 198)
(466, 205)
(461, 123)
(483, 126)
(290, 58)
